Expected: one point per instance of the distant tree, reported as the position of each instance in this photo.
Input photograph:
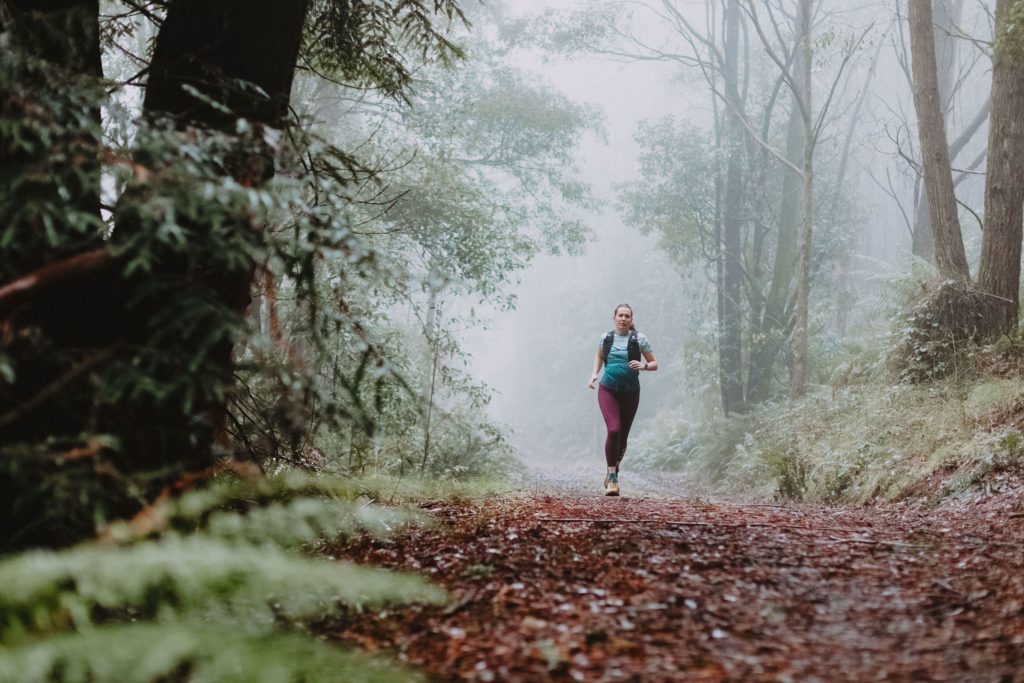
(760, 186)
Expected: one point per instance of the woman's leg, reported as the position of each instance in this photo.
(628, 402)
(608, 401)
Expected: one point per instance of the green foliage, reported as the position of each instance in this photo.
(864, 442)
(50, 204)
(188, 650)
(289, 510)
(675, 154)
(188, 576)
(194, 587)
(369, 43)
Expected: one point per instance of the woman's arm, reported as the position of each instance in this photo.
(598, 362)
(652, 362)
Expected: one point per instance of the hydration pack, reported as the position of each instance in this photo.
(632, 346)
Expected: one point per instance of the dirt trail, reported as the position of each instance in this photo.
(569, 585)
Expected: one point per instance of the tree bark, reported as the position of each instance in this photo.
(222, 48)
(938, 176)
(999, 273)
(730, 322)
(241, 54)
(798, 380)
(947, 16)
(769, 339)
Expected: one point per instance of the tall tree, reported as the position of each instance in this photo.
(803, 97)
(938, 177)
(119, 352)
(947, 15)
(799, 82)
(730, 224)
(999, 272)
(771, 181)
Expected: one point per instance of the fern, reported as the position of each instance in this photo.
(287, 510)
(44, 591)
(189, 650)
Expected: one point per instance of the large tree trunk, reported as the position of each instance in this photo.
(75, 311)
(730, 321)
(999, 273)
(50, 210)
(923, 245)
(242, 55)
(938, 176)
(218, 46)
(947, 17)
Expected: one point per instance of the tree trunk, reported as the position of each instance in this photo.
(241, 54)
(214, 46)
(938, 176)
(770, 339)
(922, 242)
(730, 322)
(798, 380)
(430, 330)
(947, 19)
(999, 273)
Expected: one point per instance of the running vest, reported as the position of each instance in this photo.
(632, 346)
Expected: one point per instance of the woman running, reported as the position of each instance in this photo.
(620, 352)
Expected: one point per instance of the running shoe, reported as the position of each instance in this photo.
(611, 484)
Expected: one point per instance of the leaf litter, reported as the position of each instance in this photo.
(594, 589)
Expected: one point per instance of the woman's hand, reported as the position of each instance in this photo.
(636, 365)
(593, 379)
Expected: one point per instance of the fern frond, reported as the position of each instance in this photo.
(193, 651)
(42, 591)
(288, 510)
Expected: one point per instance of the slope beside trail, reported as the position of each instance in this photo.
(561, 583)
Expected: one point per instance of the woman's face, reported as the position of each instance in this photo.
(623, 319)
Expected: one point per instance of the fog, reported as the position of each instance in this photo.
(620, 265)
(537, 357)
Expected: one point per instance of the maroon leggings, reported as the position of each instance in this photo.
(618, 409)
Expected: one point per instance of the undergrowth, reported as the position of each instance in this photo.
(215, 585)
(869, 437)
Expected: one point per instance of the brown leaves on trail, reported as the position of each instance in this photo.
(678, 590)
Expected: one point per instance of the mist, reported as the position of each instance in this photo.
(537, 356)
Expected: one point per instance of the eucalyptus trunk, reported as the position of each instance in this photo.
(947, 15)
(730, 319)
(772, 328)
(999, 273)
(798, 379)
(938, 177)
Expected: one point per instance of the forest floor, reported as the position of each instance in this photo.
(558, 582)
